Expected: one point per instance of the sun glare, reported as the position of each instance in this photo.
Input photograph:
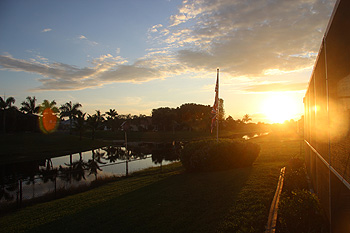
(279, 108)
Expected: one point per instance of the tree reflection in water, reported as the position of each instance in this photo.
(78, 169)
(8, 189)
(48, 173)
(93, 164)
(76, 172)
(166, 152)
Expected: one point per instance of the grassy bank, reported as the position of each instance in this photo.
(32, 146)
(166, 136)
(20, 147)
(236, 200)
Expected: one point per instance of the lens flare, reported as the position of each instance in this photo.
(48, 121)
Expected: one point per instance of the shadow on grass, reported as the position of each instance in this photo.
(187, 202)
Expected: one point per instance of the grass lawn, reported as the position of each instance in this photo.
(236, 200)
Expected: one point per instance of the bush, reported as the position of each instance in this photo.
(295, 177)
(300, 212)
(210, 155)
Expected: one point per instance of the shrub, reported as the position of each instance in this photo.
(300, 212)
(295, 177)
(210, 155)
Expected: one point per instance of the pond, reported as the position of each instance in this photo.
(23, 181)
(254, 135)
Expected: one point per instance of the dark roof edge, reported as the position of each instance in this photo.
(332, 17)
(336, 5)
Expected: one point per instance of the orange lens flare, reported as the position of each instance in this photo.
(48, 121)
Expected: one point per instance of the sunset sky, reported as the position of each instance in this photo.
(137, 55)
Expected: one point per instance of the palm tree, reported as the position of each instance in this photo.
(48, 116)
(79, 124)
(112, 119)
(95, 121)
(93, 124)
(51, 105)
(5, 105)
(29, 106)
(112, 114)
(70, 110)
(246, 118)
(100, 117)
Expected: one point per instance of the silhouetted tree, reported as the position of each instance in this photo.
(51, 105)
(79, 124)
(230, 123)
(5, 106)
(164, 117)
(100, 118)
(111, 114)
(95, 121)
(112, 120)
(29, 106)
(246, 118)
(194, 116)
(71, 111)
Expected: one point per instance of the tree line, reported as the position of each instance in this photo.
(189, 116)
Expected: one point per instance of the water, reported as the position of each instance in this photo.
(247, 137)
(38, 178)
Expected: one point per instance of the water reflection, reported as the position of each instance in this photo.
(253, 135)
(36, 178)
(166, 152)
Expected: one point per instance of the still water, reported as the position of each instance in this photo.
(36, 178)
(255, 135)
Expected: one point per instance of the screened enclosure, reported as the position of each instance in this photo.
(327, 120)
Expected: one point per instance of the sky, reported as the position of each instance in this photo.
(137, 55)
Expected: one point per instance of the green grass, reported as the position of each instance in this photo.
(236, 200)
(21, 147)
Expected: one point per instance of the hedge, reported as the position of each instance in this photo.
(213, 155)
(299, 210)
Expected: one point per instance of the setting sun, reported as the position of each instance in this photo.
(280, 107)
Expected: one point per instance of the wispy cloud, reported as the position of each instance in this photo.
(82, 37)
(189, 10)
(59, 76)
(46, 30)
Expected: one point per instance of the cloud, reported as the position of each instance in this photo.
(246, 39)
(59, 76)
(189, 10)
(258, 38)
(271, 87)
(131, 73)
(155, 28)
(46, 30)
(82, 37)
